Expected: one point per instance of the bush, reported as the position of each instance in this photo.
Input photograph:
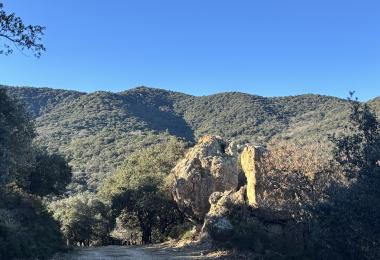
(27, 230)
(294, 177)
(83, 219)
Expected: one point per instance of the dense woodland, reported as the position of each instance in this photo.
(27, 174)
(96, 131)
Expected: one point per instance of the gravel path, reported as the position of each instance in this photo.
(154, 252)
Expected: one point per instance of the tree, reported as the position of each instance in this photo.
(154, 210)
(138, 188)
(14, 31)
(358, 151)
(50, 175)
(348, 223)
(20, 163)
(27, 230)
(83, 218)
(16, 135)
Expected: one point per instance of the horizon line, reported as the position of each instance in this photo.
(169, 90)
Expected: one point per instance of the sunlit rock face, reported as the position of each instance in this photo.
(210, 166)
(217, 226)
(207, 190)
(249, 160)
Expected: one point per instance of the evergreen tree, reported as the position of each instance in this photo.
(349, 223)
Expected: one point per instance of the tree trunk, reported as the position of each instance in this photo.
(146, 235)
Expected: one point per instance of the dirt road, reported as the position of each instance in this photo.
(154, 252)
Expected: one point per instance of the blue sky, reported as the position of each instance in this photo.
(200, 47)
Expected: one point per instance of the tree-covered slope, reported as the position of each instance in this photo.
(97, 131)
(253, 118)
(375, 105)
(40, 100)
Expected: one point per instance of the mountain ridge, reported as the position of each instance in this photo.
(142, 87)
(96, 131)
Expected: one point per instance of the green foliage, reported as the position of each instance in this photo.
(22, 164)
(27, 230)
(153, 210)
(245, 117)
(138, 188)
(149, 165)
(95, 157)
(97, 131)
(16, 134)
(358, 151)
(133, 132)
(51, 174)
(349, 221)
(39, 101)
(14, 32)
(375, 105)
(83, 219)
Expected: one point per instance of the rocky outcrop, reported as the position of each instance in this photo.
(217, 225)
(221, 202)
(206, 188)
(231, 220)
(249, 160)
(210, 166)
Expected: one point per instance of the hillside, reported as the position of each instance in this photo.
(96, 131)
(375, 105)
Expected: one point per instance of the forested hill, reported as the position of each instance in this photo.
(96, 131)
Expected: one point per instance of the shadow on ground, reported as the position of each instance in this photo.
(156, 252)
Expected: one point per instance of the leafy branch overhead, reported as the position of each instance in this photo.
(14, 34)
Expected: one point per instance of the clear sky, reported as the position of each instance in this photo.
(200, 47)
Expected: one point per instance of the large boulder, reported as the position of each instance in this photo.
(210, 166)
